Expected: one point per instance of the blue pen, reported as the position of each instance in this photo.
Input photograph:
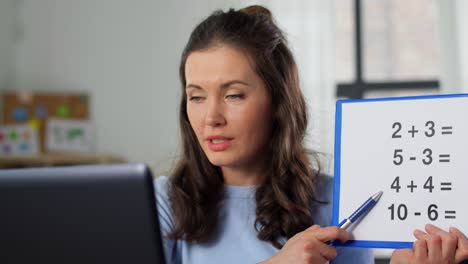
(363, 209)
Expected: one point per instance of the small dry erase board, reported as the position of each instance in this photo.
(415, 150)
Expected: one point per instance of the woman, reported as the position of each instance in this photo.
(244, 190)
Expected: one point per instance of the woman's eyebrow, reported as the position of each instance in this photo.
(229, 83)
(223, 86)
(193, 86)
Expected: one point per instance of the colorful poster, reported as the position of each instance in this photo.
(64, 135)
(18, 140)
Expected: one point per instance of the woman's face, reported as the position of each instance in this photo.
(228, 106)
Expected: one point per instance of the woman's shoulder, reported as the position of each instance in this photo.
(161, 180)
(324, 187)
(161, 190)
(161, 185)
(323, 202)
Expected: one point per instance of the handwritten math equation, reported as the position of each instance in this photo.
(427, 156)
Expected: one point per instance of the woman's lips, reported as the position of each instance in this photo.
(219, 143)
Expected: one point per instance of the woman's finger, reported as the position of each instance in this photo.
(331, 233)
(458, 233)
(449, 245)
(420, 250)
(326, 251)
(434, 247)
(419, 234)
(462, 245)
(401, 256)
(448, 241)
(432, 229)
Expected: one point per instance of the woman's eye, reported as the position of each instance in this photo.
(234, 96)
(196, 99)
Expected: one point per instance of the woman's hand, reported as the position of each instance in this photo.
(462, 245)
(310, 246)
(435, 246)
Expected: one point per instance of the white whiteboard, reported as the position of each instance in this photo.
(375, 143)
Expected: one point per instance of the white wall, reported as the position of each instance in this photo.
(454, 36)
(125, 54)
(8, 13)
(462, 26)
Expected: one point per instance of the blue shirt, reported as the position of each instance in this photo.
(236, 238)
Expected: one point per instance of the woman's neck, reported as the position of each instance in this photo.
(243, 176)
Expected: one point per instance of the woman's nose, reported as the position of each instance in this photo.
(215, 114)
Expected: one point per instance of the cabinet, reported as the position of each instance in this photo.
(58, 159)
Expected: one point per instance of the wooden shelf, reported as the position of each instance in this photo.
(58, 159)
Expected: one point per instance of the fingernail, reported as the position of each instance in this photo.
(418, 232)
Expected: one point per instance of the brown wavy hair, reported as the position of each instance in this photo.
(284, 198)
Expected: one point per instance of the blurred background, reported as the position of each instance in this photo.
(119, 59)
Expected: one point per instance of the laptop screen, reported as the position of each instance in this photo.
(79, 214)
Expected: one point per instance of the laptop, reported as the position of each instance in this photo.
(79, 214)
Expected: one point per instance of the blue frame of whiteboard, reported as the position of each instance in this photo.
(336, 178)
